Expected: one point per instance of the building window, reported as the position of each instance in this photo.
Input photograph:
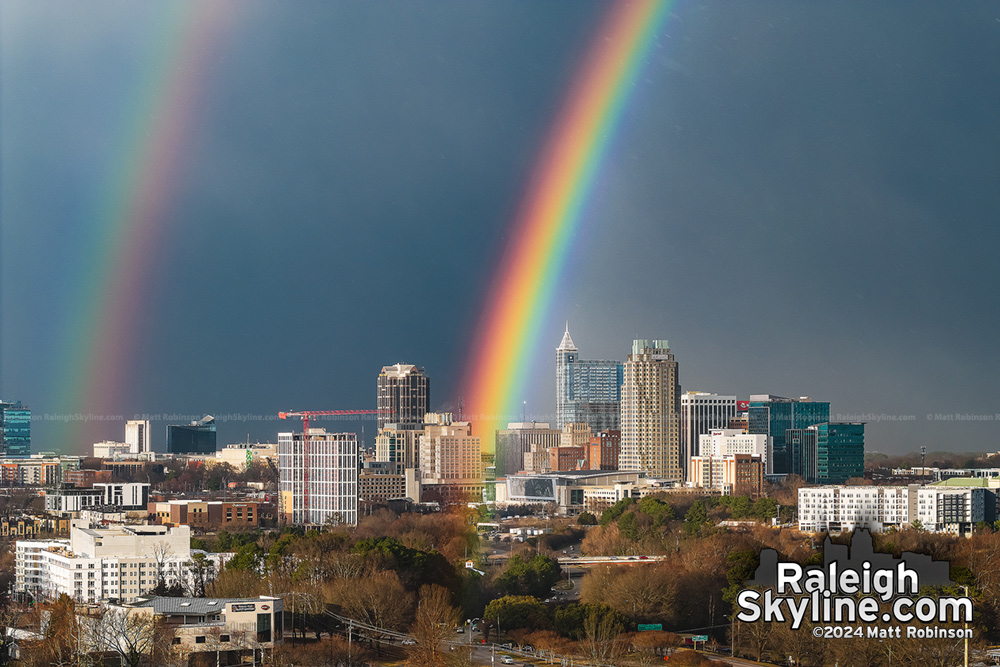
(176, 640)
(199, 640)
(223, 638)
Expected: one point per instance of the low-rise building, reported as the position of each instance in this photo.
(241, 454)
(204, 513)
(117, 564)
(223, 625)
(951, 509)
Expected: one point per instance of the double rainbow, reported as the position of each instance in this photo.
(507, 338)
(132, 220)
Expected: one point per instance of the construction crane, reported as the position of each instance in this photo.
(305, 415)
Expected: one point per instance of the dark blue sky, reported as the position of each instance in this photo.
(802, 199)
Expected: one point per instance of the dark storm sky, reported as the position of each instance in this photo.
(802, 199)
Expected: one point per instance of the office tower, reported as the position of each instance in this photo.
(137, 435)
(604, 450)
(513, 442)
(586, 391)
(198, 437)
(651, 407)
(15, 429)
(451, 460)
(840, 451)
(801, 446)
(404, 395)
(730, 460)
(399, 443)
(318, 473)
(773, 415)
(700, 414)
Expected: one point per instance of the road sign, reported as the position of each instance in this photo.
(650, 627)
(699, 638)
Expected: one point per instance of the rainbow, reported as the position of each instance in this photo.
(507, 337)
(131, 221)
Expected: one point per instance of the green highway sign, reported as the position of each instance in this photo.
(699, 638)
(647, 627)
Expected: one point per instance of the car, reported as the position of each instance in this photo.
(506, 660)
(409, 642)
(460, 629)
(643, 557)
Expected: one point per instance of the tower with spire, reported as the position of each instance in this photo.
(586, 391)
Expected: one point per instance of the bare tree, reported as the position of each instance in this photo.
(128, 633)
(603, 638)
(434, 623)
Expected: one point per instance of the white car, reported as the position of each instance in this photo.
(409, 642)
(506, 660)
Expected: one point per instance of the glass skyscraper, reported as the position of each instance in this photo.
(587, 391)
(15, 429)
(840, 451)
(774, 415)
(198, 437)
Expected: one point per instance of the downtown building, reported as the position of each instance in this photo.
(137, 435)
(451, 460)
(15, 429)
(586, 391)
(701, 413)
(828, 453)
(773, 416)
(731, 461)
(650, 409)
(318, 478)
(404, 395)
(197, 437)
(524, 439)
(116, 564)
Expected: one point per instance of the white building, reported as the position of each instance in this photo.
(137, 436)
(124, 495)
(119, 563)
(109, 449)
(880, 508)
(318, 474)
(239, 455)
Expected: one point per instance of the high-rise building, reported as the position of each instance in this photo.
(399, 443)
(15, 429)
(700, 414)
(773, 415)
(404, 395)
(801, 445)
(586, 391)
(651, 407)
(198, 437)
(840, 451)
(318, 473)
(137, 435)
(451, 460)
(513, 442)
(730, 460)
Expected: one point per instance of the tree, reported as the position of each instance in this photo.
(529, 577)
(514, 611)
(128, 633)
(696, 518)
(616, 510)
(434, 623)
(586, 519)
(378, 599)
(602, 635)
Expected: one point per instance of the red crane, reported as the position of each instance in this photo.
(305, 415)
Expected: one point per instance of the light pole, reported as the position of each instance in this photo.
(966, 663)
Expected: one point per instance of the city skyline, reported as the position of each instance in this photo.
(798, 198)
